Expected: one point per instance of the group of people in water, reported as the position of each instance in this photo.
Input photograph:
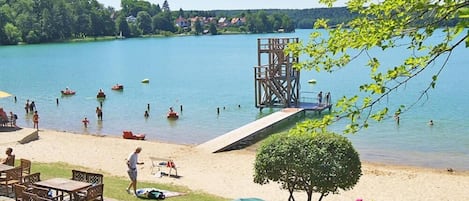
(31, 108)
(99, 114)
(10, 120)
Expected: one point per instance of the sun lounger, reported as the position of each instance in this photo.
(158, 163)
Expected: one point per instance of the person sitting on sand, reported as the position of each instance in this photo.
(10, 159)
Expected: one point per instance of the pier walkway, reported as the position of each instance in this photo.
(238, 137)
(11, 135)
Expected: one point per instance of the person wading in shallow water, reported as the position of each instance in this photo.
(99, 113)
(36, 120)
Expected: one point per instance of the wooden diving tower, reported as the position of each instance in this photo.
(276, 82)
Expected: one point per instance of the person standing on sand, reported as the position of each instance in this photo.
(132, 162)
(36, 120)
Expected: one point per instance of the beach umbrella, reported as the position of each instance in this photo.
(4, 94)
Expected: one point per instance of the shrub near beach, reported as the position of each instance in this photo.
(321, 163)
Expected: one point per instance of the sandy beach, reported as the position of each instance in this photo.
(229, 174)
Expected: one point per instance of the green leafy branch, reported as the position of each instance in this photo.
(385, 25)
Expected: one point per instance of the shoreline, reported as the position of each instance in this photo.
(252, 148)
(220, 173)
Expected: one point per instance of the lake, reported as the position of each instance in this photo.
(203, 73)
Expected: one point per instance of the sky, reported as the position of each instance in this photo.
(232, 5)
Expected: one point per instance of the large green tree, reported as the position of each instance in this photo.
(213, 29)
(198, 27)
(384, 25)
(315, 163)
(163, 22)
(144, 22)
(12, 33)
(122, 26)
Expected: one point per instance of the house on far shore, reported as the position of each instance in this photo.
(222, 22)
(238, 21)
(182, 22)
(131, 19)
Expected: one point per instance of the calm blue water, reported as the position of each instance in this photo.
(209, 72)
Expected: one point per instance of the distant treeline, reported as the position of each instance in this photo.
(39, 21)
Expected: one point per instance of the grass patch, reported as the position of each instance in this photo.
(114, 187)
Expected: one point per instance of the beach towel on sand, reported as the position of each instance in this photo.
(150, 193)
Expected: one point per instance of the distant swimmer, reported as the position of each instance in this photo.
(430, 122)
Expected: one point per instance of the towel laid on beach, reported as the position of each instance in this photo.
(154, 193)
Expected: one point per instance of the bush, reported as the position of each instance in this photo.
(321, 163)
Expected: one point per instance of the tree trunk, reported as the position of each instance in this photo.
(320, 198)
(291, 198)
(310, 195)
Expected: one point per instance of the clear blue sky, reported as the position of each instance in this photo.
(231, 5)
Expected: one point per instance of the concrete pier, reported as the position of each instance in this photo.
(238, 137)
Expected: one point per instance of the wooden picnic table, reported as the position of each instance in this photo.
(64, 185)
(4, 168)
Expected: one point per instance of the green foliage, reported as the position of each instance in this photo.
(213, 29)
(133, 7)
(163, 22)
(58, 20)
(198, 27)
(122, 26)
(385, 25)
(144, 22)
(315, 163)
(12, 33)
